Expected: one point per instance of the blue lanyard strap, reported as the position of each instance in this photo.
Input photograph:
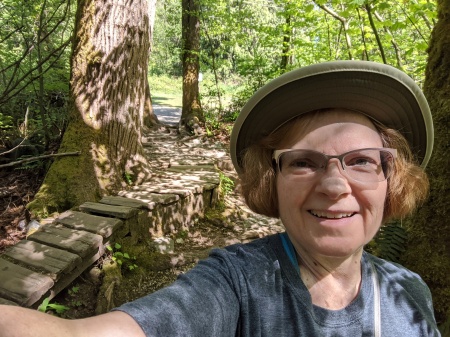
(290, 250)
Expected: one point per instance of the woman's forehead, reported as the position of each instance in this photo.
(334, 119)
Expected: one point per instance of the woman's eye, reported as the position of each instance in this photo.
(361, 161)
(301, 163)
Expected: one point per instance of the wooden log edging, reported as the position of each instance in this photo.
(53, 257)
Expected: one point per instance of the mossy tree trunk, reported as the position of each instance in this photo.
(192, 118)
(109, 98)
(428, 250)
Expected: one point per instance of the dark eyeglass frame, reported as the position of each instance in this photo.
(278, 153)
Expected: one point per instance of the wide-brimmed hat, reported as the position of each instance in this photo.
(379, 91)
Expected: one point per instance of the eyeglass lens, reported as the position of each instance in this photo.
(366, 165)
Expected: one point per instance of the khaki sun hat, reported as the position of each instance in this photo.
(379, 91)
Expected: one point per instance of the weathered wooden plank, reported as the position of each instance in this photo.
(194, 167)
(50, 260)
(121, 212)
(7, 302)
(182, 191)
(192, 172)
(67, 279)
(197, 182)
(152, 199)
(91, 223)
(182, 187)
(121, 201)
(22, 285)
(82, 243)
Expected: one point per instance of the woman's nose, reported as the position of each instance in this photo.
(333, 181)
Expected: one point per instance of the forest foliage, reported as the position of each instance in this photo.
(35, 42)
(243, 45)
(246, 43)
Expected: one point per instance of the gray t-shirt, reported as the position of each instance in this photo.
(254, 290)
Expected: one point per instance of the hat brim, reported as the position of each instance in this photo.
(379, 91)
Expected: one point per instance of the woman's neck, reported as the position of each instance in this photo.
(332, 282)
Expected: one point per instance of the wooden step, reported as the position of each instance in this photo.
(42, 258)
(82, 243)
(21, 285)
(91, 223)
(121, 212)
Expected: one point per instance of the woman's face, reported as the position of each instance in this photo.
(332, 215)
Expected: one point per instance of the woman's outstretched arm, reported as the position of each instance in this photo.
(21, 322)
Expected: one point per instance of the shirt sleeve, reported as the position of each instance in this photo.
(202, 302)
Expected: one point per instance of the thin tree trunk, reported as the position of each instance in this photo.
(40, 42)
(150, 119)
(214, 68)
(375, 32)
(286, 45)
(398, 55)
(192, 118)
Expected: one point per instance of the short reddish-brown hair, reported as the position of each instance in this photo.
(407, 187)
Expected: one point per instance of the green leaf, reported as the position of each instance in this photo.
(308, 8)
(43, 306)
(59, 308)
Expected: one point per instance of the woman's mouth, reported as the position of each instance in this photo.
(331, 215)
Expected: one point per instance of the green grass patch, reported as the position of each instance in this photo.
(166, 99)
(166, 90)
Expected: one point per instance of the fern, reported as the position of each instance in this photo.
(391, 241)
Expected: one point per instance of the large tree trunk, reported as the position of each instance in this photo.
(192, 117)
(429, 231)
(108, 91)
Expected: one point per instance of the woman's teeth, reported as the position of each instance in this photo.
(328, 215)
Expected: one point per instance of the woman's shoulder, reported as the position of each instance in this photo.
(412, 295)
(398, 278)
(256, 253)
(392, 270)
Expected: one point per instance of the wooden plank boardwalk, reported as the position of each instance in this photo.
(184, 184)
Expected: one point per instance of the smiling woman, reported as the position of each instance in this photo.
(333, 214)
(327, 149)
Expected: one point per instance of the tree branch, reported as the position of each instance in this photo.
(40, 157)
(374, 29)
(345, 24)
(393, 42)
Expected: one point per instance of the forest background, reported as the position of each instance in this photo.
(208, 56)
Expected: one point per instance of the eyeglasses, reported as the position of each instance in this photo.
(364, 165)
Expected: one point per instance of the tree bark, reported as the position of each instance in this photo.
(192, 118)
(428, 249)
(108, 91)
